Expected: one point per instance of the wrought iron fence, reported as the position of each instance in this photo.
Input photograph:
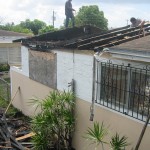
(124, 89)
(4, 89)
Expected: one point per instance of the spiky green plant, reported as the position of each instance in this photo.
(97, 134)
(55, 123)
(118, 143)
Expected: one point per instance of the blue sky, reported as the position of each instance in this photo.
(117, 12)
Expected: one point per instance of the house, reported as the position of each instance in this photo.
(9, 51)
(110, 70)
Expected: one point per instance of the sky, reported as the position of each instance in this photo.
(118, 12)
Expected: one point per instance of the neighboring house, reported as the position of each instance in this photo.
(116, 78)
(10, 52)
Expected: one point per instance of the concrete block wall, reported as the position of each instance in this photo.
(75, 66)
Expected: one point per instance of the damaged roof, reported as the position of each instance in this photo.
(88, 38)
(142, 44)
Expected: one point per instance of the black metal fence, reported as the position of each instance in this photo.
(4, 89)
(124, 89)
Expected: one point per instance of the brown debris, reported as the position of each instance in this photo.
(14, 133)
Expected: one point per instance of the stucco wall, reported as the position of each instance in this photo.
(117, 122)
(77, 66)
(25, 60)
(28, 89)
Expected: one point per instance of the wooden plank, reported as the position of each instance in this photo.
(25, 136)
(118, 42)
(106, 35)
(109, 40)
(5, 147)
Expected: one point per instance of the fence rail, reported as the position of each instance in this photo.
(124, 89)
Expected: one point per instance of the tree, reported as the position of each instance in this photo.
(34, 25)
(47, 29)
(15, 28)
(91, 15)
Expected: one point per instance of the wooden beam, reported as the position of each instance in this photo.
(93, 44)
(118, 42)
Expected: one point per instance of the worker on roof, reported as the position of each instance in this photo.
(69, 13)
(136, 22)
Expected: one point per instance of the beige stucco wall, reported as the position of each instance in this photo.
(116, 122)
(28, 89)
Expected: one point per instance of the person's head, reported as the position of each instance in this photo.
(133, 20)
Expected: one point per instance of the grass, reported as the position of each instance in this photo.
(11, 111)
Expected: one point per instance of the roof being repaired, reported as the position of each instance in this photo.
(86, 38)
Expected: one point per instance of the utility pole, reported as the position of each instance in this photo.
(127, 21)
(53, 18)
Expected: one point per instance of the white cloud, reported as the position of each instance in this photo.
(117, 13)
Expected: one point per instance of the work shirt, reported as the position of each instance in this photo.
(68, 9)
(137, 23)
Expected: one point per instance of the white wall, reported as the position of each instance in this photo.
(78, 67)
(25, 60)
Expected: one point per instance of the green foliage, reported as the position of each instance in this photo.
(97, 134)
(4, 103)
(34, 25)
(4, 67)
(26, 26)
(47, 29)
(54, 125)
(91, 15)
(118, 143)
(20, 29)
(15, 28)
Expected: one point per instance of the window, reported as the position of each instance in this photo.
(123, 88)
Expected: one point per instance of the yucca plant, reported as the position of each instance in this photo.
(55, 123)
(97, 134)
(118, 143)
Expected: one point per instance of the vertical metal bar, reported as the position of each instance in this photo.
(125, 89)
(134, 92)
(100, 80)
(116, 85)
(112, 84)
(120, 87)
(144, 96)
(108, 88)
(104, 84)
(148, 93)
(128, 89)
(139, 95)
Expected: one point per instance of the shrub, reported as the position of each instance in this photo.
(4, 67)
(54, 125)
